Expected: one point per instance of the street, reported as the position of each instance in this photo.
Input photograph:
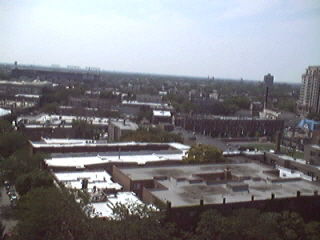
(4, 210)
(201, 139)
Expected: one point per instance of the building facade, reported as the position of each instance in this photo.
(310, 91)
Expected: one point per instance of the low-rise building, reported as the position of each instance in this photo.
(312, 154)
(118, 128)
(216, 184)
(95, 155)
(159, 116)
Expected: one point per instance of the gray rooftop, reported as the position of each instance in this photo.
(186, 185)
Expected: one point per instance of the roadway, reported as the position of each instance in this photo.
(201, 139)
(5, 210)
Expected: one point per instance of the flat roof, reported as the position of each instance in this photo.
(186, 185)
(98, 179)
(26, 83)
(47, 119)
(124, 125)
(105, 209)
(150, 104)
(28, 95)
(4, 112)
(60, 143)
(160, 113)
(81, 162)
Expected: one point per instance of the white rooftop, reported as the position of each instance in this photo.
(4, 112)
(58, 119)
(159, 113)
(152, 105)
(125, 125)
(105, 209)
(98, 179)
(82, 161)
(27, 95)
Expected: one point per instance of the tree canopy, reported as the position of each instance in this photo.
(203, 154)
(151, 135)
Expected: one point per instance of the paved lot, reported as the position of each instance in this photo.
(201, 139)
(4, 208)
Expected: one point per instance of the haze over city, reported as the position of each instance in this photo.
(227, 39)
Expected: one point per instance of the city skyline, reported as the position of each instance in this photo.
(232, 39)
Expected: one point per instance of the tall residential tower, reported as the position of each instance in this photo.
(310, 91)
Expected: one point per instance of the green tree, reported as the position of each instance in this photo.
(2, 228)
(83, 129)
(135, 222)
(312, 230)
(11, 142)
(314, 116)
(290, 226)
(32, 180)
(203, 154)
(49, 213)
(5, 127)
(51, 108)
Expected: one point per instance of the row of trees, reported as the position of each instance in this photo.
(151, 135)
(49, 213)
(251, 224)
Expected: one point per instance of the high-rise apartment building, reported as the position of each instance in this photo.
(309, 100)
(268, 80)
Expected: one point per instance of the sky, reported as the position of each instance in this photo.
(221, 38)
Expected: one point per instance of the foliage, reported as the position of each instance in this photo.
(34, 179)
(83, 129)
(19, 163)
(203, 154)
(2, 228)
(51, 108)
(49, 213)
(151, 135)
(5, 127)
(109, 95)
(240, 102)
(135, 222)
(10, 142)
(251, 224)
(314, 116)
(145, 112)
(287, 104)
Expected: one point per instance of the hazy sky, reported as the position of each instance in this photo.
(225, 38)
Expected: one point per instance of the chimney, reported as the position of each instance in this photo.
(266, 97)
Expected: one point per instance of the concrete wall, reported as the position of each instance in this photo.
(307, 206)
(121, 178)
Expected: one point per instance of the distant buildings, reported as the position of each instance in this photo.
(118, 128)
(23, 87)
(227, 126)
(57, 126)
(17, 95)
(310, 91)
